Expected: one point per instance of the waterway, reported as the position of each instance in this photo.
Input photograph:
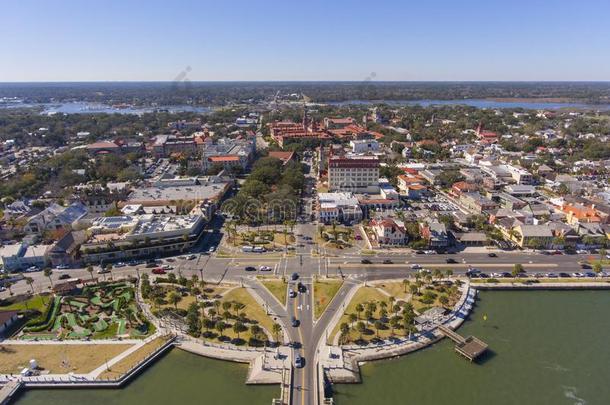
(178, 378)
(547, 348)
(481, 103)
(83, 107)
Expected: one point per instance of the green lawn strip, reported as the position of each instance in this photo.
(37, 302)
(323, 293)
(122, 327)
(277, 287)
(100, 325)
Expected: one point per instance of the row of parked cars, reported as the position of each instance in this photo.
(474, 273)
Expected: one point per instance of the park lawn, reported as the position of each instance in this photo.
(253, 309)
(396, 289)
(361, 296)
(420, 306)
(36, 302)
(80, 358)
(277, 287)
(183, 304)
(133, 359)
(323, 293)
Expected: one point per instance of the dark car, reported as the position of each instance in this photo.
(387, 261)
(250, 268)
(564, 275)
(585, 266)
(294, 276)
(419, 252)
(450, 260)
(295, 322)
(301, 287)
(492, 255)
(365, 261)
(64, 277)
(299, 362)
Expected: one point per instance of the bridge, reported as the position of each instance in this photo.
(470, 347)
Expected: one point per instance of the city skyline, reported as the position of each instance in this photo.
(274, 41)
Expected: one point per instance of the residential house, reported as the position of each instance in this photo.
(388, 231)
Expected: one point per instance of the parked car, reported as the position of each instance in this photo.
(104, 271)
(577, 275)
(158, 270)
(191, 257)
(62, 267)
(119, 264)
(64, 276)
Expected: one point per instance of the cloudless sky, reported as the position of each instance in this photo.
(80, 40)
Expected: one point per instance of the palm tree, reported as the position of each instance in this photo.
(405, 284)
(227, 306)
(238, 307)
(378, 325)
(344, 328)
(48, 272)
(174, 298)
(220, 327)
(360, 327)
(276, 329)
(352, 318)
(90, 271)
(238, 327)
(359, 309)
(30, 282)
(449, 273)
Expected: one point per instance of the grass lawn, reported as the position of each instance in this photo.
(363, 295)
(395, 289)
(277, 287)
(80, 358)
(252, 310)
(183, 304)
(126, 364)
(323, 293)
(37, 302)
(110, 332)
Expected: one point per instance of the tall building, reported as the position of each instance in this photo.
(356, 174)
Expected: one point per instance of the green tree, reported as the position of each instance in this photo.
(48, 273)
(174, 298)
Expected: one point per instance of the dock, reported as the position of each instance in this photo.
(469, 347)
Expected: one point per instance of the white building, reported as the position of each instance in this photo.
(339, 207)
(364, 146)
(20, 256)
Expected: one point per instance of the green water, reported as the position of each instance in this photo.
(178, 378)
(548, 348)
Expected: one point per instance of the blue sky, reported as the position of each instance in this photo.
(69, 40)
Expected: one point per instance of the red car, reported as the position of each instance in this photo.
(158, 270)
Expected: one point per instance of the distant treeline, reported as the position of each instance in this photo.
(223, 93)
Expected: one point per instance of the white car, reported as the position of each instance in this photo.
(191, 257)
(578, 275)
(32, 269)
(496, 275)
(582, 252)
(415, 267)
(430, 252)
(265, 268)
(62, 267)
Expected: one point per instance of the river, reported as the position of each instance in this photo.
(481, 103)
(549, 347)
(178, 378)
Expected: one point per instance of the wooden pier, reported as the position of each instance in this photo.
(469, 347)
